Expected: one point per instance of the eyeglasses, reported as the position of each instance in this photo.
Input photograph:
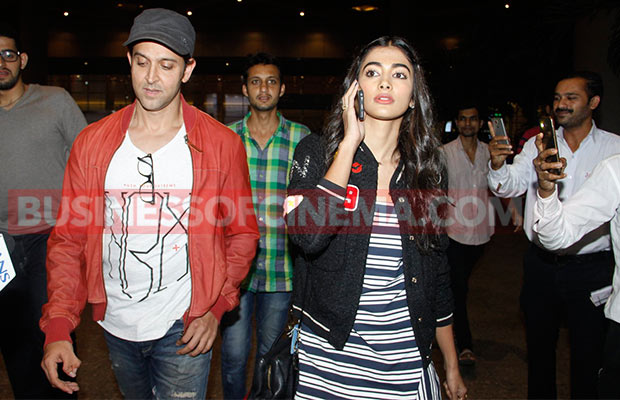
(147, 189)
(9, 55)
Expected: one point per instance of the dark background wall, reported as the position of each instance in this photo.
(508, 59)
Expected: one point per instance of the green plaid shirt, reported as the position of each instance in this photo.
(272, 268)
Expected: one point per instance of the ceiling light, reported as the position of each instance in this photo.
(507, 5)
(189, 13)
(365, 8)
(302, 13)
(66, 13)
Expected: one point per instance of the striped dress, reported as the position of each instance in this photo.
(381, 359)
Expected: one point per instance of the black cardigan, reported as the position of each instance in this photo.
(331, 245)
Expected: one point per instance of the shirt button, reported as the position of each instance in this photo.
(420, 319)
(414, 280)
(401, 199)
(411, 237)
(261, 219)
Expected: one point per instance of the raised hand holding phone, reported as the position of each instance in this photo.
(353, 126)
(340, 168)
(499, 146)
(500, 129)
(548, 168)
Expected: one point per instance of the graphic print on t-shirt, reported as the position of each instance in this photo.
(150, 249)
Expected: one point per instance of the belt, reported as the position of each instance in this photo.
(553, 258)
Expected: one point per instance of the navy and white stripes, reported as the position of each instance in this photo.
(381, 359)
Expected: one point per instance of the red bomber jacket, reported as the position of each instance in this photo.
(222, 232)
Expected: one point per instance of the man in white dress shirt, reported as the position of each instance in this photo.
(468, 227)
(557, 285)
(560, 224)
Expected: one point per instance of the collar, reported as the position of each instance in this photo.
(282, 128)
(365, 155)
(593, 135)
(460, 144)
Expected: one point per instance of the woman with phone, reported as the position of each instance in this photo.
(371, 276)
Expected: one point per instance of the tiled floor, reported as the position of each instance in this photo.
(500, 372)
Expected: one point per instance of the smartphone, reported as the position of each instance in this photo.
(500, 129)
(550, 140)
(360, 105)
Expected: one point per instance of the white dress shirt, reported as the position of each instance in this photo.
(520, 177)
(560, 224)
(470, 213)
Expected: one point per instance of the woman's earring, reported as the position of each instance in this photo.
(412, 106)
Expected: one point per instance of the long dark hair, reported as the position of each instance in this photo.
(418, 145)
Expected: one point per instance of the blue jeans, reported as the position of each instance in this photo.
(271, 316)
(153, 369)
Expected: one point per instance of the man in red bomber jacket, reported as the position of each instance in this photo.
(156, 228)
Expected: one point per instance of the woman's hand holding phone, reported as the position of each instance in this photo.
(340, 169)
(353, 128)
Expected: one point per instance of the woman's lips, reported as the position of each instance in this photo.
(384, 99)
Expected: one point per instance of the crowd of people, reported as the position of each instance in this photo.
(176, 228)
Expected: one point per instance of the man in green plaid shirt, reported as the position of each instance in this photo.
(270, 142)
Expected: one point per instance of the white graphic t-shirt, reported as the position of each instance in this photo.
(145, 257)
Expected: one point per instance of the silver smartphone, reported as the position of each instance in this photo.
(500, 129)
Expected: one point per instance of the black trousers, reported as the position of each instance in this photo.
(20, 337)
(462, 259)
(556, 290)
(609, 378)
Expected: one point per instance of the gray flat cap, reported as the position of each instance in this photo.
(166, 27)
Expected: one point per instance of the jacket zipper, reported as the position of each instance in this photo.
(189, 229)
(105, 293)
(190, 144)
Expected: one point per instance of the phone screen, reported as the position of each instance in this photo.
(360, 105)
(550, 140)
(500, 129)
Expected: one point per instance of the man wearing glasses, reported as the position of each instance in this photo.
(158, 230)
(38, 125)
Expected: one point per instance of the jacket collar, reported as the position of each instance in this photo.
(365, 156)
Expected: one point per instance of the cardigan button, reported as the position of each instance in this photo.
(411, 237)
(420, 319)
(401, 199)
(414, 280)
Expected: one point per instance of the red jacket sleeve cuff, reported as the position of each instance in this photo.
(220, 307)
(58, 329)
